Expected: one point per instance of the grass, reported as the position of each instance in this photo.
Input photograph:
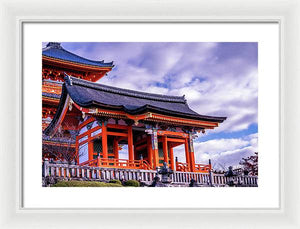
(132, 183)
(85, 184)
(115, 182)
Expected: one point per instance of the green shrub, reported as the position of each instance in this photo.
(115, 182)
(74, 183)
(132, 183)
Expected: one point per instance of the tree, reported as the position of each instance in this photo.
(250, 164)
(61, 147)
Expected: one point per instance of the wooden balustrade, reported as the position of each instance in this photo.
(202, 168)
(118, 163)
(183, 167)
(241, 180)
(185, 177)
(93, 173)
(93, 163)
(86, 172)
(199, 168)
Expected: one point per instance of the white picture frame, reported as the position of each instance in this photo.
(13, 216)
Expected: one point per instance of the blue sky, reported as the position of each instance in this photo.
(216, 78)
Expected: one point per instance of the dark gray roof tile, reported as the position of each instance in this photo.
(91, 95)
(55, 50)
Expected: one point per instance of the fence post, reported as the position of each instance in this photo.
(210, 174)
(46, 168)
(67, 171)
(176, 163)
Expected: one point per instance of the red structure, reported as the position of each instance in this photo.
(99, 119)
(55, 62)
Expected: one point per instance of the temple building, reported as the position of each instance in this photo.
(102, 118)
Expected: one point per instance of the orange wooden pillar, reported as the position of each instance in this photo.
(154, 144)
(192, 161)
(130, 144)
(187, 154)
(104, 141)
(90, 148)
(192, 154)
(77, 150)
(165, 149)
(116, 147)
(155, 158)
(172, 158)
(149, 151)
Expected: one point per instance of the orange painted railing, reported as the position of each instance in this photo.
(118, 163)
(93, 163)
(184, 167)
(202, 168)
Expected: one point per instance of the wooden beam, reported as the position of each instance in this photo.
(141, 141)
(91, 119)
(205, 124)
(89, 131)
(130, 144)
(152, 117)
(104, 141)
(187, 155)
(115, 126)
(176, 140)
(77, 148)
(137, 148)
(171, 133)
(117, 134)
(90, 148)
(174, 144)
(165, 149)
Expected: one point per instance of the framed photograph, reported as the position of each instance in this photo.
(154, 118)
(133, 117)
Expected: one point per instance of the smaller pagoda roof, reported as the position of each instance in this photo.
(51, 95)
(55, 50)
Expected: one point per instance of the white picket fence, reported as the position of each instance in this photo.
(76, 172)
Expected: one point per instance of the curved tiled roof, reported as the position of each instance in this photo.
(124, 92)
(51, 95)
(55, 50)
(90, 95)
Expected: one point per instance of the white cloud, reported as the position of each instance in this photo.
(123, 153)
(211, 85)
(222, 152)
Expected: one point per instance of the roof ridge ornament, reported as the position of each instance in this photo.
(68, 79)
(184, 98)
(54, 45)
